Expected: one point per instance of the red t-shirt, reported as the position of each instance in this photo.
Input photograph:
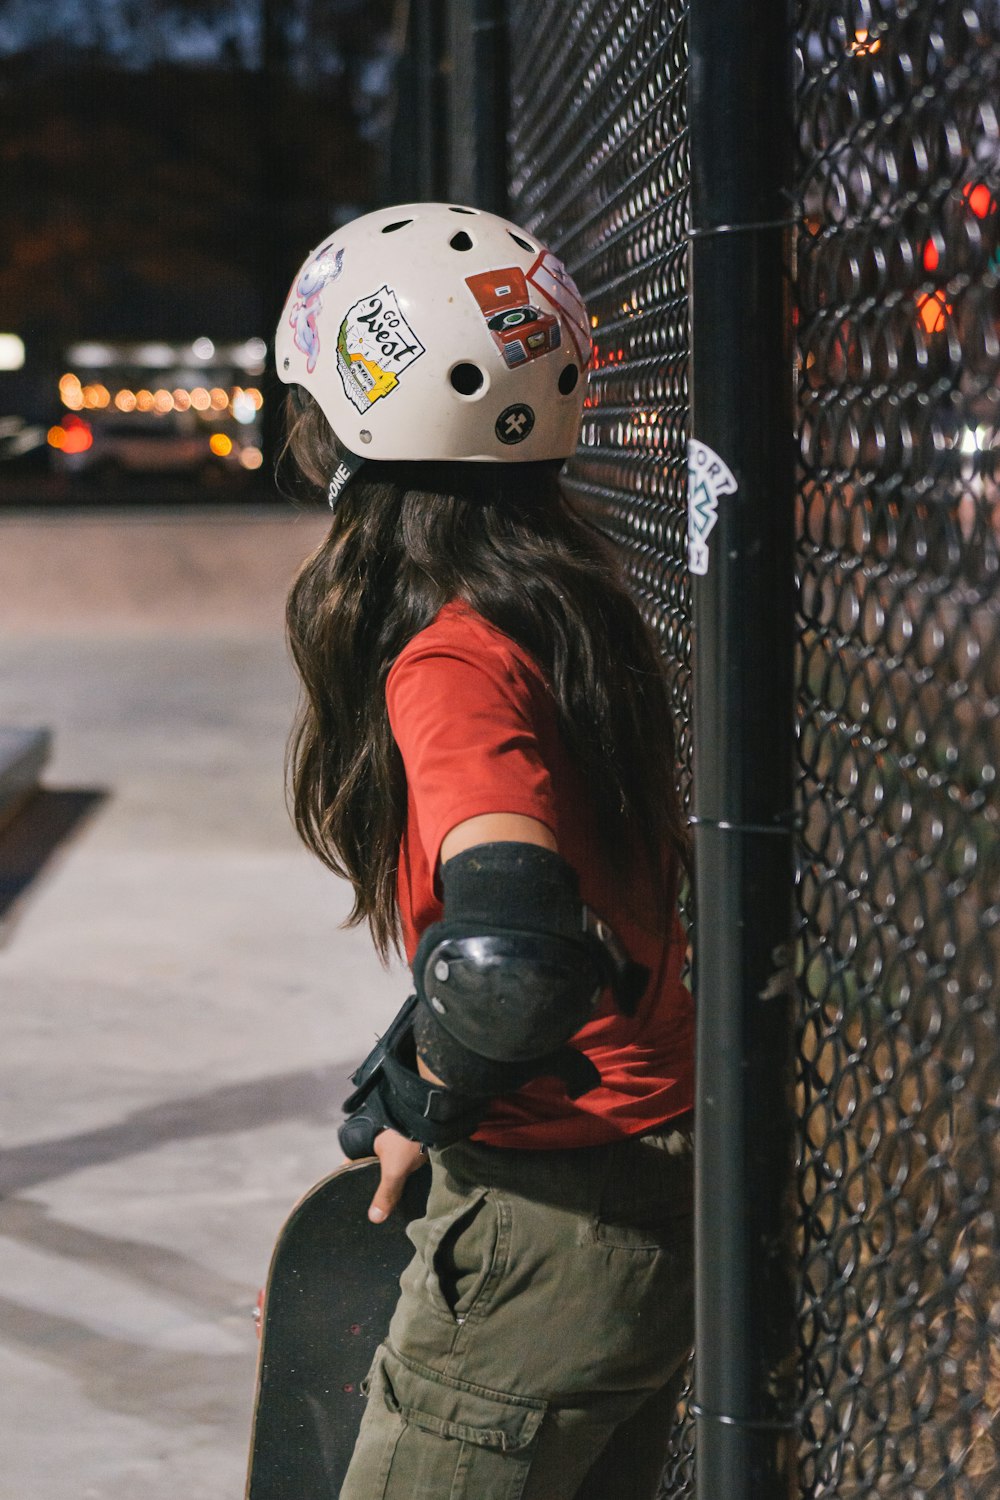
(477, 728)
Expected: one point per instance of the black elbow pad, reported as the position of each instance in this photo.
(514, 969)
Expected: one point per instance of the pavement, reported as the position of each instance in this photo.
(181, 1005)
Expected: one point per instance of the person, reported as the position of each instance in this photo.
(485, 750)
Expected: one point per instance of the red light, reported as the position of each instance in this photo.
(979, 198)
(76, 436)
(931, 257)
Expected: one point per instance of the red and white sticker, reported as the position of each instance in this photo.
(553, 282)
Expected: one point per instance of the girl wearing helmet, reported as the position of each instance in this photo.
(485, 751)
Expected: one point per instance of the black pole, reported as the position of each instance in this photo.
(428, 40)
(741, 540)
(270, 83)
(491, 71)
(478, 98)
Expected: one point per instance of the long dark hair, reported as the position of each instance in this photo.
(406, 539)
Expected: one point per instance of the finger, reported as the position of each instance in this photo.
(390, 1190)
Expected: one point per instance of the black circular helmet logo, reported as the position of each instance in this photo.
(514, 423)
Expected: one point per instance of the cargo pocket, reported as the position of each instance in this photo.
(463, 1255)
(458, 1439)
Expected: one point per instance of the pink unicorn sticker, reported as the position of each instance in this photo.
(323, 267)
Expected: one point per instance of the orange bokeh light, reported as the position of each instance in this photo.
(74, 437)
(865, 44)
(71, 391)
(934, 311)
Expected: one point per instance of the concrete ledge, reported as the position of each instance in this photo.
(152, 572)
(23, 753)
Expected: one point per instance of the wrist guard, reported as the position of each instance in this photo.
(514, 969)
(390, 1094)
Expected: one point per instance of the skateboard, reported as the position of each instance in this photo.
(331, 1290)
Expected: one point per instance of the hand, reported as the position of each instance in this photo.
(426, 1073)
(399, 1158)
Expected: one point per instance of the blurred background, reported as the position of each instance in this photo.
(164, 168)
(181, 1010)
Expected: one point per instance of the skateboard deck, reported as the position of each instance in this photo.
(331, 1290)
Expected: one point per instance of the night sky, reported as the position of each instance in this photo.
(165, 164)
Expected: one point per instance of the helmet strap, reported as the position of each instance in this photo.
(345, 471)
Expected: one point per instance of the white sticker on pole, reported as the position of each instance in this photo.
(708, 479)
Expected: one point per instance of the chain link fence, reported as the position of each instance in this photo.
(599, 168)
(898, 324)
(899, 674)
(599, 165)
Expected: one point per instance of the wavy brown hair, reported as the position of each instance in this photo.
(406, 538)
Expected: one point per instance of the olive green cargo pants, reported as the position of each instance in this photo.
(543, 1327)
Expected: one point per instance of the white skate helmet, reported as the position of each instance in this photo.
(431, 331)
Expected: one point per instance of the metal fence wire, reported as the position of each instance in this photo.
(899, 676)
(599, 168)
(599, 164)
(898, 326)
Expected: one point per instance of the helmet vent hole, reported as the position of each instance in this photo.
(467, 379)
(454, 210)
(399, 224)
(568, 379)
(460, 241)
(524, 244)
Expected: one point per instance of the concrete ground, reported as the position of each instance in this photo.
(181, 1009)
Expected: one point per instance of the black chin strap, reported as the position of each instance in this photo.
(345, 471)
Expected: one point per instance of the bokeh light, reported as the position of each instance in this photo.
(934, 311)
(71, 392)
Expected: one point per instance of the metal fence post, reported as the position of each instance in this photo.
(741, 541)
(478, 86)
(418, 147)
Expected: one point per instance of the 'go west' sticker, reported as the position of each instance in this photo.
(374, 346)
(708, 479)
